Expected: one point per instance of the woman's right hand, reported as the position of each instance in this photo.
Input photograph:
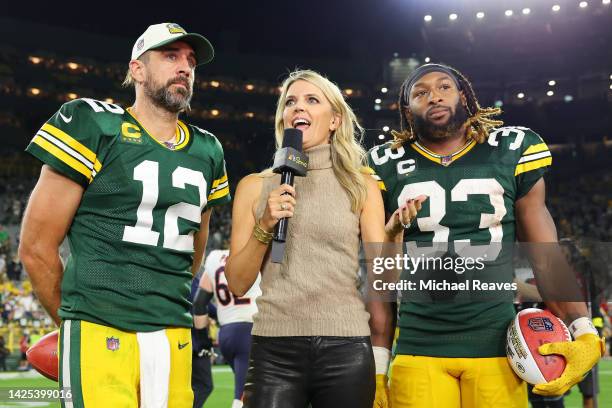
(281, 204)
(404, 216)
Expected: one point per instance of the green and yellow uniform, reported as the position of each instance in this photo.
(471, 197)
(132, 237)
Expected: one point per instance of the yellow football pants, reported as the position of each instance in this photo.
(107, 367)
(438, 382)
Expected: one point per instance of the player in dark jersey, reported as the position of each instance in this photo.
(202, 350)
(484, 185)
(133, 190)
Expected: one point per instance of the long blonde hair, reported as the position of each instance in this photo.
(347, 153)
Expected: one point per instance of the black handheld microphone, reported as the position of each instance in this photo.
(289, 161)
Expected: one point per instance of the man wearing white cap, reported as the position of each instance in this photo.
(133, 191)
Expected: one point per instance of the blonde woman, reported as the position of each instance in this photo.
(311, 338)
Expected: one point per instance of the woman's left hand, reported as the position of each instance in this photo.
(404, 216)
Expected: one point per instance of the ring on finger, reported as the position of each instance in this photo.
(283, 206)
(407, 225)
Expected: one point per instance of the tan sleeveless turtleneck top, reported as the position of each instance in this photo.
(313, 292)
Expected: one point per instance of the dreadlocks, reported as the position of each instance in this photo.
(478, 124)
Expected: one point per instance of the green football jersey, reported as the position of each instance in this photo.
(132, 238)
(471, 196)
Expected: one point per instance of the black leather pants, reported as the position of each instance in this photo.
(325, 372)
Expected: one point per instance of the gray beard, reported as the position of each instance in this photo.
(164, 98)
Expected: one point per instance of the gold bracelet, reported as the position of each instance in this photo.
(262, 235)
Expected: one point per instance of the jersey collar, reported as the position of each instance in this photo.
(181, 138)
(443, 160)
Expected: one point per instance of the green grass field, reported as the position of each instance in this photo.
(224, 383)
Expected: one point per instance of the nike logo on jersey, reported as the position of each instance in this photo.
(65, 119)
(182, 346)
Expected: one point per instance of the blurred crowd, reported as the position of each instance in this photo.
(220, 226)
(582, 206)
(13, 197)
(19, 305)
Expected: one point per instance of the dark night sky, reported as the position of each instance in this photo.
(332, 29)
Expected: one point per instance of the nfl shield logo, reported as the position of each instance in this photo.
(446, 160)
(539, 324)
(112, 343)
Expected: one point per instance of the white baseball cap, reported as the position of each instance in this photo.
(158, 35)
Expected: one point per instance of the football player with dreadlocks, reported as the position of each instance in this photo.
(484, 184)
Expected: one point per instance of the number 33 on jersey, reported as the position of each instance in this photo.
(471, 193)
(142, 204)
(471, 199)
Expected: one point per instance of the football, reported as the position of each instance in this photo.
(43, 356)
(529, 330)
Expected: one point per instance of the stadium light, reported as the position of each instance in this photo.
(109, 100)
(376, 107)
(556, 8)
(610, 86)
(480, 15)
(214, 84)
(452, 16)
(568, 98)
(583, 4)
(348, 91)
(35, 60)
(377, 100)
(499, 103)
(526, 10)
(520, 95)
(250, 87)
(427, 18)
(72, 65)
(552, 82)
(381, 137)
(427, 59)
(214, 112)
(250, 115)
(550, 93)
(383, 90)
(35, 91)
(385, 128)
(72, 95)
(509, 13)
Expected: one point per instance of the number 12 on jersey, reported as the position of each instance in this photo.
(147, 172)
